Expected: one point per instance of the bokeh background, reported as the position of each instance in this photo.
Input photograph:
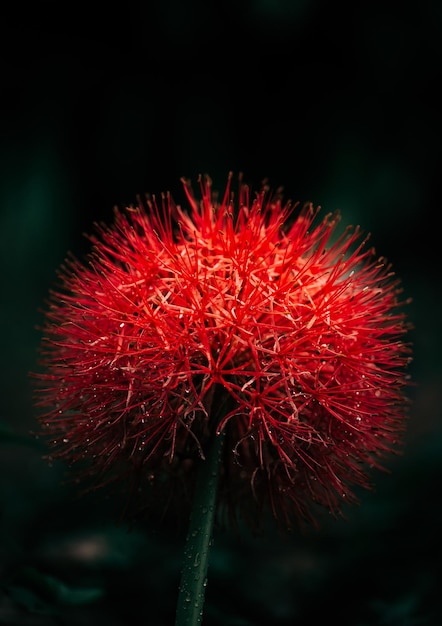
(340, 104)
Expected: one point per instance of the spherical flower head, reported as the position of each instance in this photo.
(244, 316)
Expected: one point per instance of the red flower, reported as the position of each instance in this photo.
(298, 329)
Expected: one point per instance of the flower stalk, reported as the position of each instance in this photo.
(192, 587)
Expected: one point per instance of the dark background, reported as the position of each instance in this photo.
(339, 104)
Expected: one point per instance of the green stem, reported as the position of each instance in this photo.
(196, 552)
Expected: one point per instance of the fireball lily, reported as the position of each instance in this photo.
(244, 320)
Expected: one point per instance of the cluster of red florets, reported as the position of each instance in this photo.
(246, 317)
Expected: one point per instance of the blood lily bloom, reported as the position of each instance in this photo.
(245, 317)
